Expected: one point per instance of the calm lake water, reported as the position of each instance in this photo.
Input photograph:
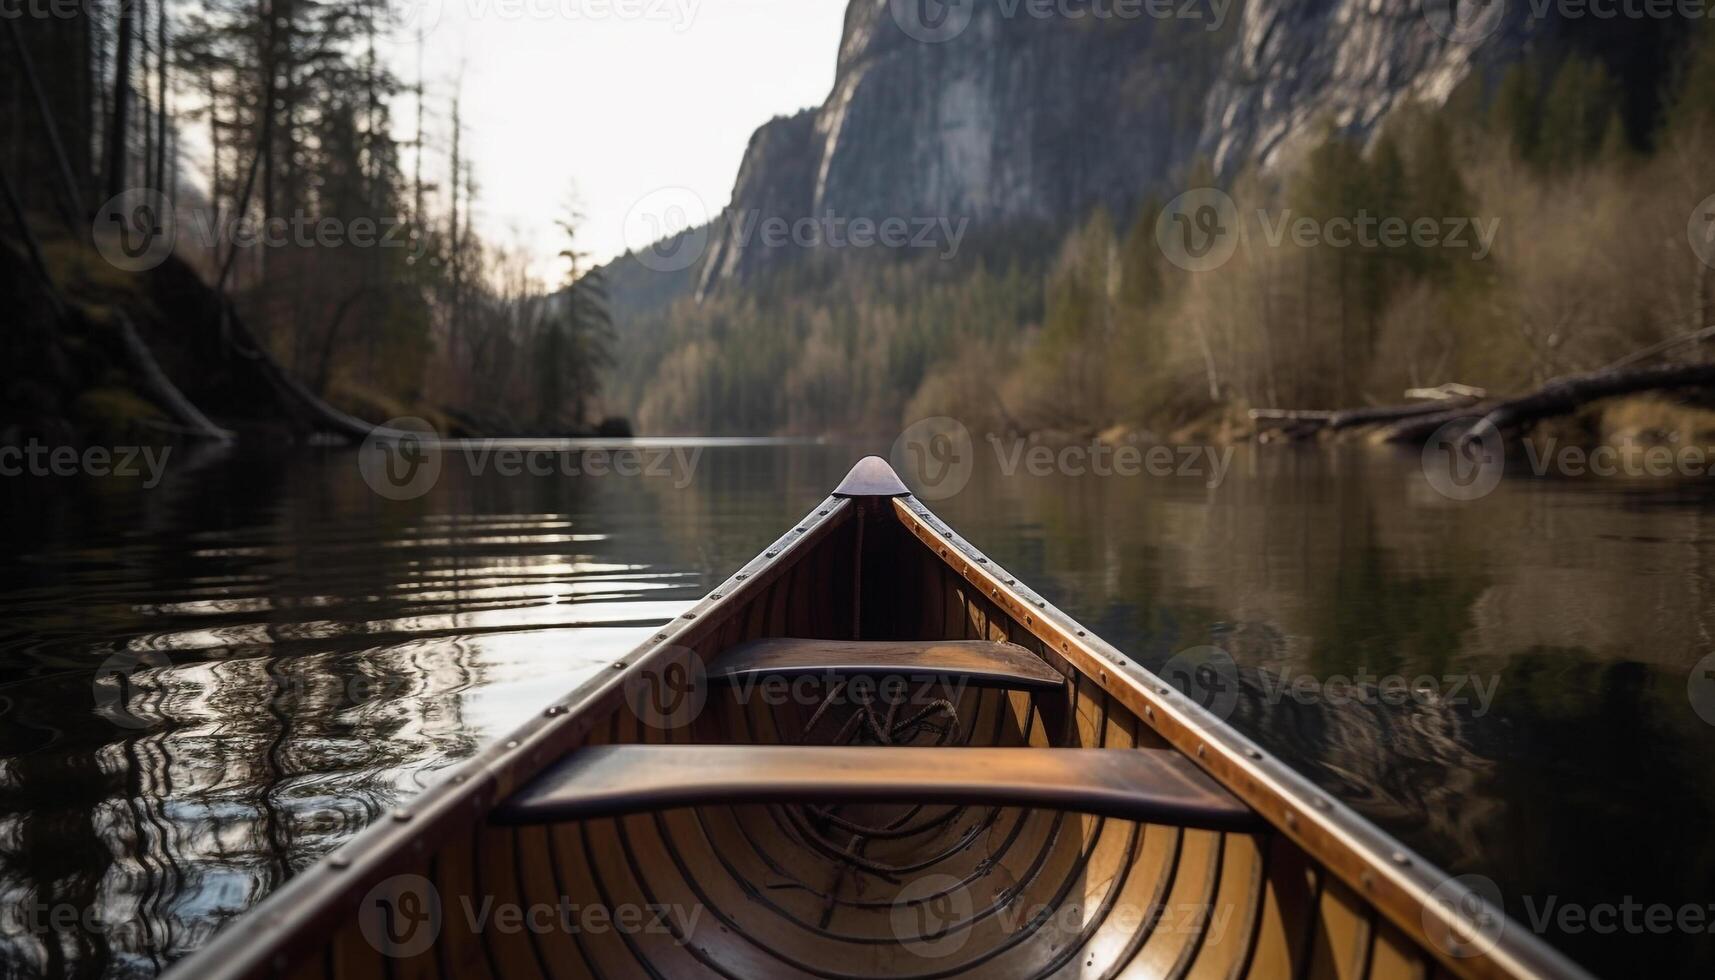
(210, 684)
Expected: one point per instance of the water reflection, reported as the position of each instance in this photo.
(295, 655)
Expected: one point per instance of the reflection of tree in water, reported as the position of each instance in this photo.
(270, 739)
(1406, 763)
(259, 764)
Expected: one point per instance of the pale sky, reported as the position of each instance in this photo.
(623, 97)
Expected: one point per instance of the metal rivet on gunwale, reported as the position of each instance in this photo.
(982, 561)
(741, 576)
(620, 664)
(1202, 750)
(401, 815)
(1319, 803)
(690, 615)
(1080, 632)
(1401, 858)
(512, 743)
(770, 554)
(1011, 581)
(339, 862)
(555, 709)
(821, 513)
(714, 595)
(1254, 753)
(799, 530)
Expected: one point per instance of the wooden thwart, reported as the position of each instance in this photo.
(984, 663)
(1152, 785)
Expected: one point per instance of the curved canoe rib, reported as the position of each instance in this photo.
(1154, 785)
(984, 663)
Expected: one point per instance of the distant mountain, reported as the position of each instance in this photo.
(1020, 117)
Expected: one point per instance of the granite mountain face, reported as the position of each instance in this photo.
(1033, 111)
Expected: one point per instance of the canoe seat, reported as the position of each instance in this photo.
(984, 663)
(1153, 785)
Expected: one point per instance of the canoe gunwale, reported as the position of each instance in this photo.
(1408, 889)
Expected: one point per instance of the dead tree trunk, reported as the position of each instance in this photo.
(119, 130)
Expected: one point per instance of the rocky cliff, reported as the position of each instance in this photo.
(1001, 111)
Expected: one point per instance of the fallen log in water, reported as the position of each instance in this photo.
(1564, 395)
(1303, 423)
(1561, 396)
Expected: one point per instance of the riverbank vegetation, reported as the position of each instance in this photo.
(322, 202)
(1560, 212)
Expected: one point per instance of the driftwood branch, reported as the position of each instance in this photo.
(1305, 422)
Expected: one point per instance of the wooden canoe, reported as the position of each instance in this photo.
(871, 752)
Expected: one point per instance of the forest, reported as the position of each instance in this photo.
(282, 210)
(1587, 189)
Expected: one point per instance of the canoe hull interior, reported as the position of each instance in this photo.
(826, 887)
